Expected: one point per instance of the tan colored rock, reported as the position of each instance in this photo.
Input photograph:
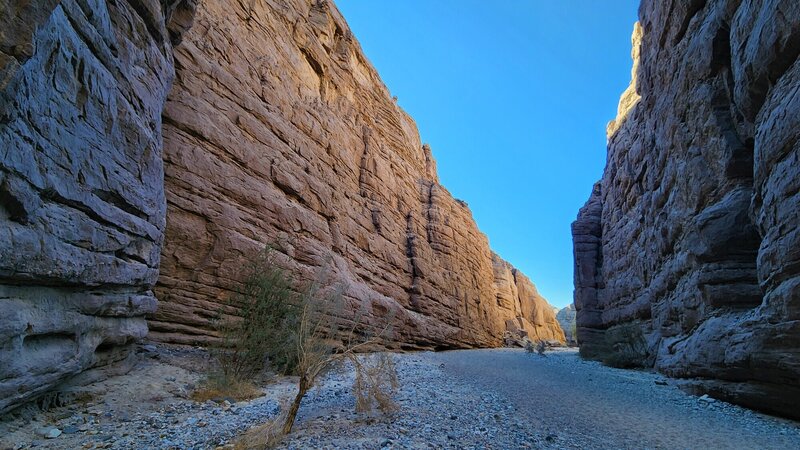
(630, 97)
(278, 130)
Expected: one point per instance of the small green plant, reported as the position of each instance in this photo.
(261, 330)
(299, 331)
(623, 346)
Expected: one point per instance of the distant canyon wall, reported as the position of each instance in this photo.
(693, 231)
(279, 131)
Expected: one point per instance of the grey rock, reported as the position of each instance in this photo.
(692, 234)
(49, 432)
(82, 205)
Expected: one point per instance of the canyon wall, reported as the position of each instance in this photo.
(692, 233)
(279, 131)
(82, 85)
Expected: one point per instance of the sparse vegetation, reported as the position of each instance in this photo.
(376, 381)
(267, 311)
(623, 347)
(539, 347)
(298, 332)
(216, 388)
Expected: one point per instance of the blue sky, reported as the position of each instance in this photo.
(513, 97)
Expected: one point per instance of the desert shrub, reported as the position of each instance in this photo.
(218, 388)
(300, 331)
(626, 346)
(319, 349)
(539, 347)
(623, 346)
(375, 383)
(267, 312)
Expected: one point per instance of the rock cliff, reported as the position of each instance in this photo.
(692, 234)
(82, 85)
(279, 131)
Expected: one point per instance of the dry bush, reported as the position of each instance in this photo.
(266, 435)
(375, 383)
(318, 352)
(539, 347)
(300, 333)
(214, 388)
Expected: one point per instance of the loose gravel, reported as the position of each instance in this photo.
(508, 399)
(472, 399)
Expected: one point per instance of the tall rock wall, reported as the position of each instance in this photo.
(82, 85)
(692, 233)
(279, 131)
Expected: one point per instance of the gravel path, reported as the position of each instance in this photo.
(472, 399)
(507, 399)
(587, 405)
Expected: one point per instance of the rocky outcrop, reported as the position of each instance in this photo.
(692, 233)
(566, 318)
(82, 209)
(279, 131)
(529, 314)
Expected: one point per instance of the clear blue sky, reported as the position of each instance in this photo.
(513, 97)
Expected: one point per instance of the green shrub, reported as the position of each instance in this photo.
(628, 348)
(623, 346)
(296, 328)
(267, 312)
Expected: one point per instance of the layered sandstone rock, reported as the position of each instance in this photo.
(82, 85)
(692, 233)
(530, 316)
(279, 131)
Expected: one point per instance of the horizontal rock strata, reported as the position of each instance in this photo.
(279, 131)
(82, 210)
(692, 233)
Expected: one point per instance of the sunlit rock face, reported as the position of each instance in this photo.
(82, 86)
(566, 318)
(693, 230)
(279, 131)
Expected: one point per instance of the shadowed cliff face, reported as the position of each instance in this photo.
(82, 209)
(693, 230)
(279, 131)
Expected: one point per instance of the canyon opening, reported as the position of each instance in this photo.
(220, 226)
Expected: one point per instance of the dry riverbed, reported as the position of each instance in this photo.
(501, 399)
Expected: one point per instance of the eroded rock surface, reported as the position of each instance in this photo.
(692, 233)
(566, 318)
(279, 131)
(82, 86)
